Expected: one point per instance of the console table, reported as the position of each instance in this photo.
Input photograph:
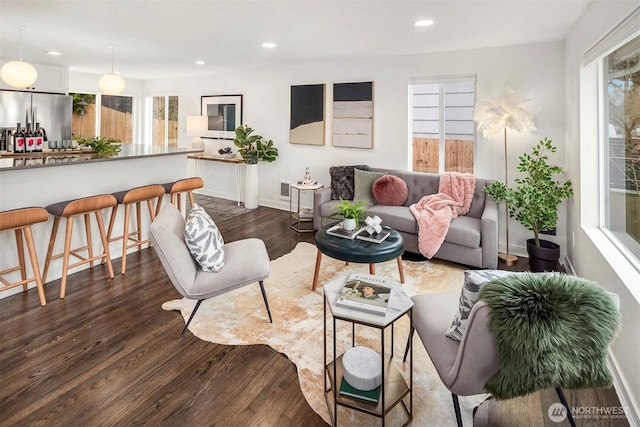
(208, 157)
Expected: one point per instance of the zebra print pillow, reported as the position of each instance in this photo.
(204, 240)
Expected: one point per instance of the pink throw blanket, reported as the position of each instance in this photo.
(435, 211)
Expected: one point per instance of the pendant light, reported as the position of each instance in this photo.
(19, 74)
(111, 83)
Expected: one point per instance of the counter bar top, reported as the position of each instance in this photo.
(11, 161)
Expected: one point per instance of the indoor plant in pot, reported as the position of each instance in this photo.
(352, 212)
(534, 202)
(253, 148)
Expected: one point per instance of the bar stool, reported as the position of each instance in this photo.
(70, 209)
(21, 220)
(128, 197)
(176, 188)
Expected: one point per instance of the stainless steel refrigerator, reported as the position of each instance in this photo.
(52, 111)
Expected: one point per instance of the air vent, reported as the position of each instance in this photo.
(284, 189)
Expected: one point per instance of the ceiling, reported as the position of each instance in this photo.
(162, 39)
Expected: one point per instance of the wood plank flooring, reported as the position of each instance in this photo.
(108, 355)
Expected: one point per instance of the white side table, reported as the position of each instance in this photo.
(394, 388)
(301, 219)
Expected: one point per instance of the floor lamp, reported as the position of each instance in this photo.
(508, 110)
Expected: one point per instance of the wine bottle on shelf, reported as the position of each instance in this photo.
(18, 140)
(39, 136)
(30, 140)
(3, 139)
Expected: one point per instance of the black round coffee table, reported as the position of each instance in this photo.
(359, 251)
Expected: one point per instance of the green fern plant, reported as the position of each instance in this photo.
(348, 209)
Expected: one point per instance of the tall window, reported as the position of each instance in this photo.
(113, 113)
(83, 120)
(442, 127)
(621, 145)
(163, 111)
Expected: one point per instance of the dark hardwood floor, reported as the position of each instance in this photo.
(108, 355)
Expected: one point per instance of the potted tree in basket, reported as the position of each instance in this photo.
(534, 202)
(253, 148)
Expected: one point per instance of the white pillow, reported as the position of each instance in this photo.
(204, 240)
(474, 280)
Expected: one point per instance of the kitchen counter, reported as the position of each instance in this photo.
(11, 161)
(45, 183)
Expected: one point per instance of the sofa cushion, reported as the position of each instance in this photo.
(342, 181)
(464, 231)
(362, 185)
(390, 190)
(204, 240)
(399, 218)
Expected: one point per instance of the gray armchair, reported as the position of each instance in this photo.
(246, 262)
(505, 348)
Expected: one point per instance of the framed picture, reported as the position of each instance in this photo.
(307, 115)
(353, 115)
(225, 115)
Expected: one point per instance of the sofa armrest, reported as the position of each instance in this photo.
(320, 197)
(489, 230)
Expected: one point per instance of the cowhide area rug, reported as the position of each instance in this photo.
(239, 318)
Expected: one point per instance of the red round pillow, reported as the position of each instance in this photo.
(390, 190)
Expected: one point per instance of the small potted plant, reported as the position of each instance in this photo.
(352, 212)
(534, 202)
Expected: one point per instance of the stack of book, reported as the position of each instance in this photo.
(359, 233)
(371, 396)
(365, 292)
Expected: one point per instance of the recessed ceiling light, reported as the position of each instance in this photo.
(423, 23)
(53, 52)
(268, 45)
(199, 62)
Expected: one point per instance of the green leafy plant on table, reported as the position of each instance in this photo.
(252, 147)
(103, 147)
(349, 210)
(534, 202)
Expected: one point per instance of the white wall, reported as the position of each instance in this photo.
(593, 256)
(537, 70)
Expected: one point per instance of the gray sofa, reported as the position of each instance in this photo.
(472, 239)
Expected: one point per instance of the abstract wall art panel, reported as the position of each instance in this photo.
(307, 115)
(353, 115)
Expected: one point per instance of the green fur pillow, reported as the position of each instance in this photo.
(550, 331)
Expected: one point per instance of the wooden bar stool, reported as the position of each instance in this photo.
(21, 220)
(176, 188)
(135, 196)
(70, 209)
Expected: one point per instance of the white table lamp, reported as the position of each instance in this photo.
(197, 126)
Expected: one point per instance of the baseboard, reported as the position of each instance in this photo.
(569, 266)
(620, 385)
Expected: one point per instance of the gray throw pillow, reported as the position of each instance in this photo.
(342, 181)
(474, 280)
(362, 185)
(204, 240)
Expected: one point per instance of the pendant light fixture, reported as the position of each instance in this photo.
(19, 74)
(111, 83)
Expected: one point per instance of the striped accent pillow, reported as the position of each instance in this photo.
(204, 240)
